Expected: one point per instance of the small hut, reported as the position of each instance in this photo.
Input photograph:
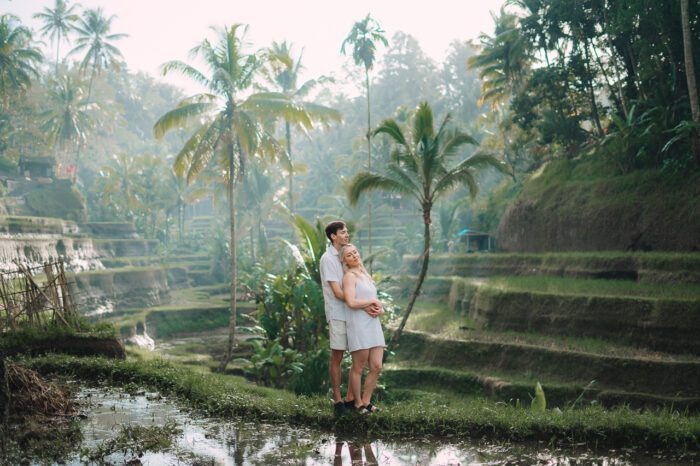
(37, 166)
(477, 241)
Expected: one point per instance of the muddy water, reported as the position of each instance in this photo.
(205, 441)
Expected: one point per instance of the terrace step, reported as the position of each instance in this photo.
(508, 389)
(661, 378)
(581, 308)
(125, 247)
(663, 267)
(110, 230)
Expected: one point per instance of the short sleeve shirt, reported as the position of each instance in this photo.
(332, 271)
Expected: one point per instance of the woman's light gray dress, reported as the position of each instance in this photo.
(363, 330)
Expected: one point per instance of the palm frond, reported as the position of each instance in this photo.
(180, 116)
(453, 179)
(185, 70)
(454, 141)
(423, 123)
(483, 160)
(392, 129)
(364, 181)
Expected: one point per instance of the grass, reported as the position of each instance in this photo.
(438, 320)
(226, 396)
(596, 287)
(24, 336)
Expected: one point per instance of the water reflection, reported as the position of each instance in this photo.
(205, 441)
(361, 454)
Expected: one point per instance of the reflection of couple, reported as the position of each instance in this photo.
(355, 454)
(352, 309)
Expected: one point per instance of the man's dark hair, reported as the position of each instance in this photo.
(333, 227)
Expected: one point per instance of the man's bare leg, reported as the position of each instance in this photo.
(335, 362)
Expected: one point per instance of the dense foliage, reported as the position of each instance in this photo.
(598, 75)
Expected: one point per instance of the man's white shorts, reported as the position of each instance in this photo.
(338, 334)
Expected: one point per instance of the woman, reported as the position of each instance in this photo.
(365, 336)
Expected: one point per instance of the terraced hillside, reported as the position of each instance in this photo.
(149, 296)
(611, 328)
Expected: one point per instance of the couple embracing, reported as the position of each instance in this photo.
(352, 311)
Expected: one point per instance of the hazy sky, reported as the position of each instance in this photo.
(162, 30)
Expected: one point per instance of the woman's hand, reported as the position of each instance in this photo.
(375, 309)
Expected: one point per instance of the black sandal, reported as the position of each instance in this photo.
(366, 410)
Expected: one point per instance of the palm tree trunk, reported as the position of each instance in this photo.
(87, 101)
(613, 57)
(4, 403)
(180, 220)
(251, 233)
(421, 277)
(369, 169)
(594, 106)
(233, 264)
(288, 134)
(58, 45)
(690, 77)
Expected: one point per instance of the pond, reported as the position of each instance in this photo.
(205, 441)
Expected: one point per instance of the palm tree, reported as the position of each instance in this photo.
(68, 120)
(94, 38)
(18, 58)
(283, 74)
(256, 190)
(181, 194)
(420, 168)
(118, 187)
(363, 38)
(227, 124)
(503, 60)
(58, 22)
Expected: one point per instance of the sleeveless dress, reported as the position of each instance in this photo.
(364, 331)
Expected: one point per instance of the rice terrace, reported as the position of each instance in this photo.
(380, 233)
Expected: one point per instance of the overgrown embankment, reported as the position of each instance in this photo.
(226, 396)
(576, 205)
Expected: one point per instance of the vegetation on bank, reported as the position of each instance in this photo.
(596, 287)
(85, 340)
(226, 396)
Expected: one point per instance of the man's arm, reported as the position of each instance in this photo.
(337, 290)
(350, 298)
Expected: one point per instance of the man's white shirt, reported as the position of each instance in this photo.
(332, 271)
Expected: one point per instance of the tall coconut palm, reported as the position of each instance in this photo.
(227, 126)
(95, 40)
(503, 60)
(18, 58)
(58, 22)
(363, 39)
(282, 73)
(421, 167)
(67, 120)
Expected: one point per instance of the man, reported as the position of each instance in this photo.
(332, 284)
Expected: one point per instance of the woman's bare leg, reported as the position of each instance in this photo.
(359, 359)
(376, 355)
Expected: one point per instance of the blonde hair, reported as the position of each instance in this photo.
(341, 253)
